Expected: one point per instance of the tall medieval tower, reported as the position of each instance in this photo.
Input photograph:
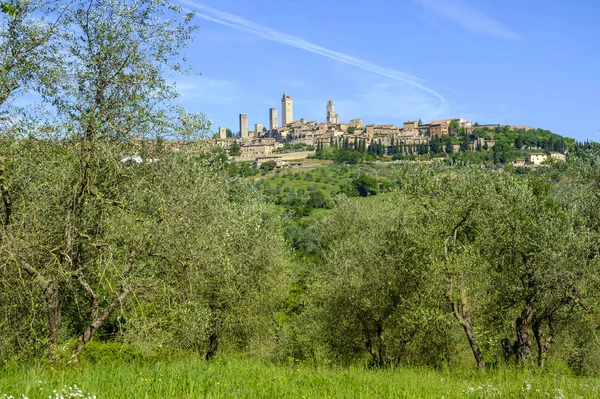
(332, 117)
(287, 110)
(273, 119)
(244, 126)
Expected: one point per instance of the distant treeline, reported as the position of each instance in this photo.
(499, 145)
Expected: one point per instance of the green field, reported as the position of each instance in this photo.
(245, 378)
(330, 179)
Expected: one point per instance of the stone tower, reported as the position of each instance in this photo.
(287, 110)
(332, 117)
(273, 119)
(222, 132)
(243, 126)
(258, 129)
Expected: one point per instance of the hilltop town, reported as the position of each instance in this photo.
(265, 144)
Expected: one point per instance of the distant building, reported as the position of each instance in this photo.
(287, 109)
(132, 158)
(273, 119)
(438, 128)
(258, 129)
(356, 123)
(557, 155)
(243, 126)
(332, 117)
(411, 125)
(535, 158)
(222, 132)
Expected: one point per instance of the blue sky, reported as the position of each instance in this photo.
(531, 62)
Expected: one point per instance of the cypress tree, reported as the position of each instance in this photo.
(464, 145)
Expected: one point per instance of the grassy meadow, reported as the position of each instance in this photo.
(247, 378)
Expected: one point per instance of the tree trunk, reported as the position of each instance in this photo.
(97, 322)
(463, 315)
(523, 327)
(83, 340)
(374, 342)
(543, 343)
(48, 286)
(213, 337)
(381, 345)
(468, 327)
(53, 306)
(97, 319)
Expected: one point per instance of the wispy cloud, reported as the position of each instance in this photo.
(204, 89)
(237, 22)
(218, 36)
(389, 103)
(469, 18)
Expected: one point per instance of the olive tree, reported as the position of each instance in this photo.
(371, 287)
(453, 202)
(540, 258)
(82, 232)
(220, 268)
(29, 47)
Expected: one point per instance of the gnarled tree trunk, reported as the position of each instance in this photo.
(53, 308)
(214, 333)
(97, 319)
(523, 327)
(543, 341)
(374, 342)
(462, 312)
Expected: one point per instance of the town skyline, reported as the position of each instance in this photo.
(245, 125)
(495, 65)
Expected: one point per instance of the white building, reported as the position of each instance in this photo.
(536, 158)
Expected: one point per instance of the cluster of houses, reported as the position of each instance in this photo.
(263, 143)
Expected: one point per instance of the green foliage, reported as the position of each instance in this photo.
(318, 200)
(108, 352)
(369, 281)
(234, 149)
(449, 147)
(465, 144)
(295, 147)
(268, 166)
(365, 185)
(8, 9)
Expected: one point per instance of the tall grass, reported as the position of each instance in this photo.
(247, 378)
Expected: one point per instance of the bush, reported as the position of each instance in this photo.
(318, 200)
(268, 166)
(108, 352)
(365, 185)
